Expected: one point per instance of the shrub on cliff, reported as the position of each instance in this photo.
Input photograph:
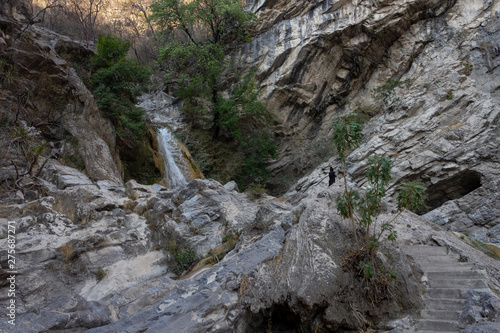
(117, 82)
(364, 209)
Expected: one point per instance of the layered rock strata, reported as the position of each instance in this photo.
(423, 75)
(109, 258)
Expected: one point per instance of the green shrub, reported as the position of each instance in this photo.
(229, 239)
(185, 259)
(363, 209)
(255, 191)
(117, 82)
(100, 274)
(388, 87)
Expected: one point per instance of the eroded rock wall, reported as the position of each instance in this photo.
(437, 118)
(41, 90)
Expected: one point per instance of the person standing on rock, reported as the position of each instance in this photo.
(331, 176)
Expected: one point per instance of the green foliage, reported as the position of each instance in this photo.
(386, 90)
(376, 278)
(347, 134)
(411, 196)
(449, 95)
(100, 274)
(258, 150)
(468, 68)
(364, 209)
(27, 143)
(185, 258)
(242, 106)
(229, 239)
(110, 50)
(365, 113)
(198, 36)
(255, 191)
(117, 82)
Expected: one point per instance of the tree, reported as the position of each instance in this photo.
(144, 44)
(117, 82)
(199, 35)
(364, 209)
(41, 11)
(85, 13)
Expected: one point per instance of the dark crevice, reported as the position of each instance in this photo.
(452, 188)
(280, 318)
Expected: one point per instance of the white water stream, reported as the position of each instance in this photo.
(166, 116)
(173, 158)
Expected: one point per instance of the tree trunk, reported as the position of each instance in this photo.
(216, 121)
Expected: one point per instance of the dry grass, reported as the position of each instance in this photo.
(68, 252)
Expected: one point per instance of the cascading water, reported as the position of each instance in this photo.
(172, 157)
(165, 114)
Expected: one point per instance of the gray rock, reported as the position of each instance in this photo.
(480, 307)
(231, 186)
(68, 312)
(482, 328)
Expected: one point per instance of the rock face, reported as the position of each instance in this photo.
(95, 255)
(114, 258)
(40, 89)
(424, 74)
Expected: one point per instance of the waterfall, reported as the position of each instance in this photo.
(172, 157)
(179, 168)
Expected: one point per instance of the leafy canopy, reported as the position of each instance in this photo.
(117, 82)
(199, 34)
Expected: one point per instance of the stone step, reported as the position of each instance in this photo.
(451, 258)
(457, 283)
(444, 304)
(448, 293)
(441, 275)
(437, 325)
(446, 267)
(425, 250)
(440, 314)
(426, 331)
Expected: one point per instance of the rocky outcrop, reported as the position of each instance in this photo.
(423, 74)
(307, 288)
(40, 89)
(113, 258)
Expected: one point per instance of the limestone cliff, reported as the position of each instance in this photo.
(39, 89)
(424, 74)
(95, 255)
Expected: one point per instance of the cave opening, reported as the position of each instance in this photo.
(452, 188)
(277, 318)
(280, 318)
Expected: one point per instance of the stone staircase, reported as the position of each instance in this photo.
(446, 280)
